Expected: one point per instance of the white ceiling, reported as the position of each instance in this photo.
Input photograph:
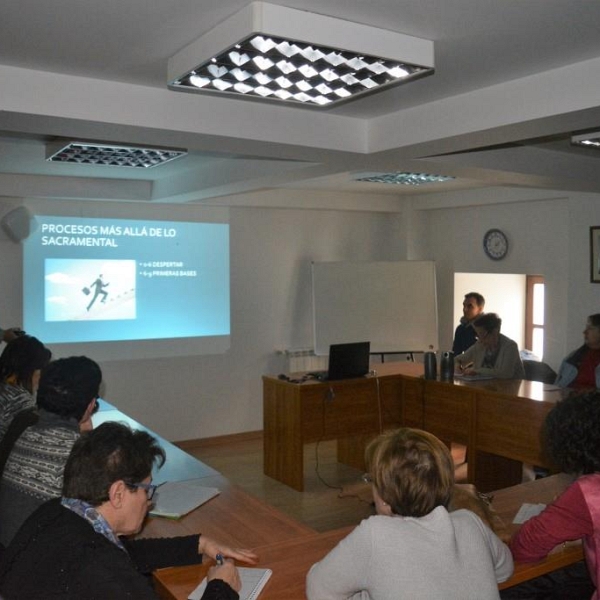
(514, 79)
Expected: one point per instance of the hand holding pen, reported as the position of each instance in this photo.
(466, 369)
(225, 570)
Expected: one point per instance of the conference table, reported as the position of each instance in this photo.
(499, 420)
(290, 559)
(283, 544)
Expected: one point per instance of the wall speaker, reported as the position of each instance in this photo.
(18, 224)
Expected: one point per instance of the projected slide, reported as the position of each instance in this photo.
(110, 279)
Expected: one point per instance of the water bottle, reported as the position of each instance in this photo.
(430, 365)
(447, 366)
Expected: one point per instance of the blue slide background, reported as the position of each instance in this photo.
(165, 279)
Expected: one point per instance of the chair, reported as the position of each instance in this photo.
(538, 371)
(18, 425)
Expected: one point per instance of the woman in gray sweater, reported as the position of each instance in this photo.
(413, 548)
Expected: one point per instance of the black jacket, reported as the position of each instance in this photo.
(57, 554)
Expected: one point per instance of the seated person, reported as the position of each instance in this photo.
(572, 435)
(74, 547)
(581, 368)
(493, 354)
(413, 548)
(33, 473)
(464, 335)
(20, 366)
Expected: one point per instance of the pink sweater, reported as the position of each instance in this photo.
(573, 515)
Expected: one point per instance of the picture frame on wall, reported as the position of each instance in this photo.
(595, 254)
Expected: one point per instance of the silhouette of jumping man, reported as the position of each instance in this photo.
(98, 285)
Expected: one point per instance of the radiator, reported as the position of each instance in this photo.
(305, 359)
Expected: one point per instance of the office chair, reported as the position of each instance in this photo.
(538, 371)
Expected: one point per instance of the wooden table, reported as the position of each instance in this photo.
(507, 502)
(291, 559)
(296, 414)
(499, 420)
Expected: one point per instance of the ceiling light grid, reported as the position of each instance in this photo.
(110, 155)
(257, 53)
(587, 140)
(268, 67)
(405, 178)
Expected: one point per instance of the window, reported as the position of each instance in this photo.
(534, 315)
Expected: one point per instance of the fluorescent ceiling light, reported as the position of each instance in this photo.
(405, 178)
(588, 140)
(283, 54)
(110, 155)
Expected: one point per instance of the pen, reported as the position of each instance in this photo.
(219, 558)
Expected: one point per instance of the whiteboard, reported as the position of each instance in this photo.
(393, 305)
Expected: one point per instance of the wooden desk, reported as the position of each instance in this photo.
(291, 559)
(507, 502)
(233, 517)
(296, 414)
(499, 420)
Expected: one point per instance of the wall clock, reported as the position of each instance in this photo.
(495, 244)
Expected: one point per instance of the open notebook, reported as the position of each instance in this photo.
(253, 581)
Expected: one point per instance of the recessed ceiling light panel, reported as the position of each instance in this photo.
(278, 53)
(110, 155)
(405, 178)
(587, 140)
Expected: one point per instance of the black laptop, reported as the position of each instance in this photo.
(347, 361)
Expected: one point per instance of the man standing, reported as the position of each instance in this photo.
(98, 285)
(464, 336)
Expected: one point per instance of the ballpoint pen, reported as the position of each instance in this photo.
(219, 558)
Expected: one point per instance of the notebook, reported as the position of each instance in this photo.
(174, 499)
(253, 581)
(348, 360)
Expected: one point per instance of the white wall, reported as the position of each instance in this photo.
(539, 237)
(271, 251)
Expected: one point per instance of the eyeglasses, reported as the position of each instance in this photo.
(366, 477)
(149, 487)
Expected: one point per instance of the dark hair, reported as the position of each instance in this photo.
(479, 299)
(572, 433)
(111, 452)
(21, 358)
(412, 471)
(489, 322)
(68, 385)
(595, 320)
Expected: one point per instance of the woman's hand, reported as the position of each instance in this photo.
(211, 548)
(227, 572)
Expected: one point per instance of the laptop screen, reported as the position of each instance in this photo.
(348, 360)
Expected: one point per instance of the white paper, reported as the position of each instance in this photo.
(527, 511)
(253, 581)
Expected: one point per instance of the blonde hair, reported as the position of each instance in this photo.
(412, 471)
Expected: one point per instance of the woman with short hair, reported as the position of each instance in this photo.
(80, 546)
(413, 548)
(581, 368)
(493, 354)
